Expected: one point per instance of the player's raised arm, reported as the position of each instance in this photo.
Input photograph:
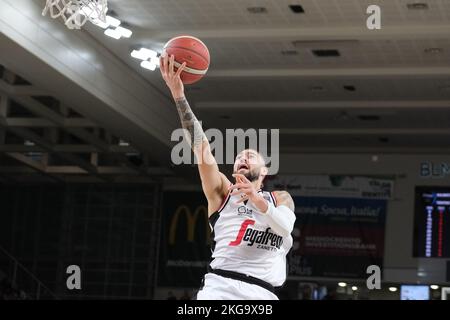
(214, 183)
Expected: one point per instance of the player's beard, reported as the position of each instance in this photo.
(253, 175)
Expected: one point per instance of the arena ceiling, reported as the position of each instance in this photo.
(377, 91)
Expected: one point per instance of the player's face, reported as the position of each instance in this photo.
(249, 163)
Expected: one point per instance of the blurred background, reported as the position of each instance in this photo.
(86, 177)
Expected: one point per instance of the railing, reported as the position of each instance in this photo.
(22, 279)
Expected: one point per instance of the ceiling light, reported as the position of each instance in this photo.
(296, 8)
(29, 143)
(111, 21)
(149, 58)
(417, 6)
(434, 50)
(118, 32)
(434, 287)
(342, 284)
(350, 88)
(392, 289)
(257, 10)
(126, 33)
(354, 288)
(326, 53)
(100, 23)
(148, 65)
(113, 33)
(144, 54)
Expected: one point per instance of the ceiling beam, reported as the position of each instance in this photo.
(36, 108)
(365, 131)
(89, 138)
(64, 148)
(39, 109)
(79, 122)
(36, 166)
(416, 31)
(72, 170)
(104, 147)
(4, 106)
(407, 72)
(364, 150)
(21, 90)
(45, 123)
(101, 87)
(30, 135)
(407, 104)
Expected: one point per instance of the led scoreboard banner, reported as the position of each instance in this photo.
(432, 222)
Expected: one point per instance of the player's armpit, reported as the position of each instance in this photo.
(214, 183)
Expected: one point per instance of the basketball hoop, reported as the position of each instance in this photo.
(76, 13)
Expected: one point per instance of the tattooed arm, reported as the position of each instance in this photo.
(194, 132)
(214, 183)
(284, 198)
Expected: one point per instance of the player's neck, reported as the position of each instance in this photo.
(257, 184)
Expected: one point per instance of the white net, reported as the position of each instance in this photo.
(76, 13)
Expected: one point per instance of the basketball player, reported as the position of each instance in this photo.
(251, 228)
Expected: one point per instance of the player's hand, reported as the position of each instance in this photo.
(248, 192)
(243, 187)
(172, 78)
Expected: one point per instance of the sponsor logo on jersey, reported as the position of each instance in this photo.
(244, 211)
(263, 239)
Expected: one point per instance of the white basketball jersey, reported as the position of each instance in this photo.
(243, 242)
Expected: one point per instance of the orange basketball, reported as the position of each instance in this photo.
(192, 51)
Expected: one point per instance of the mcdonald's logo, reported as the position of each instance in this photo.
(191, 222)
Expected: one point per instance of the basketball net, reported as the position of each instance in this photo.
(76, 13)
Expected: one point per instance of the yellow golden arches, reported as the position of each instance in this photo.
(191, 222)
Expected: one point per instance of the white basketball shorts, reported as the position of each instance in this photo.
(220, 288)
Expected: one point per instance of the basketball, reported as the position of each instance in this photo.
(192, 51)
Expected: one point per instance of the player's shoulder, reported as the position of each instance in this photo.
(284, 198)
(282, 194)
